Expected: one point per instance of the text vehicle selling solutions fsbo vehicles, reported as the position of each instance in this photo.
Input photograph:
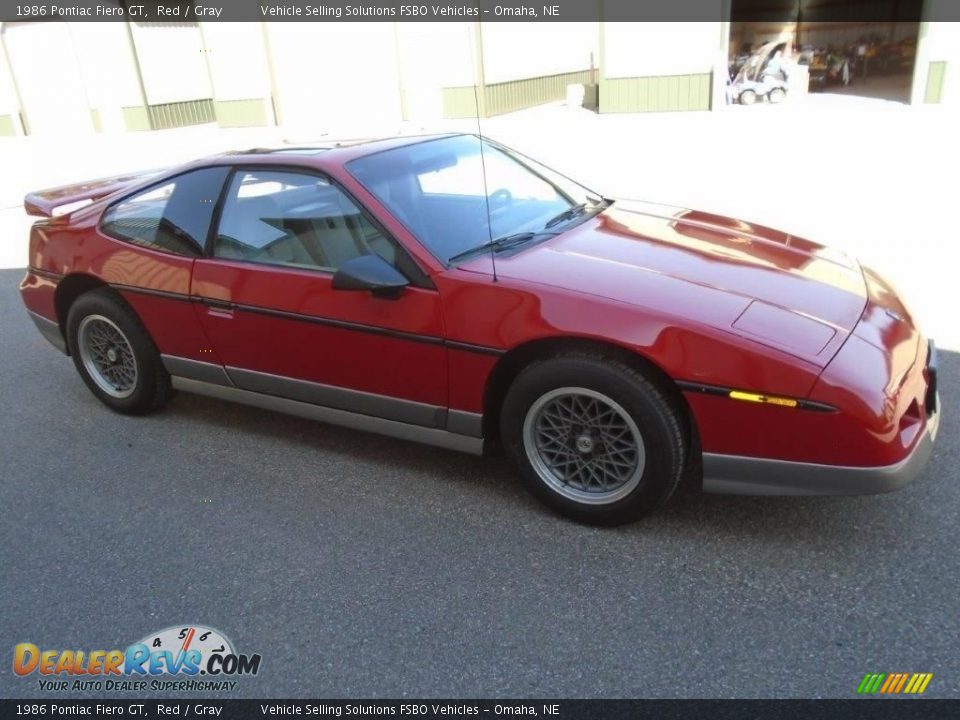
(450, 290)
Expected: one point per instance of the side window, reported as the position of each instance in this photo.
(173, 217)
(287, 218)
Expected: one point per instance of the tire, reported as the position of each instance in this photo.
(568, 425)
(114, 354)
(776, 95)
(748, 97)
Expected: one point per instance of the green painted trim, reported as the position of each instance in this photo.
(241, 113)
(660, 93)
(169, 115)
(7, 127)
(181, 114)
(459, 102)
(136, 118)
(934, 89)
(95, 119)
(519, 94)
(510, 96)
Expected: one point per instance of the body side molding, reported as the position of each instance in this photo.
(356, 421)
(195, 370)
(465, 423)
(354, 401)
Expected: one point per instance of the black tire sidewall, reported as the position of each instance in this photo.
(664, 444)
(152, 384)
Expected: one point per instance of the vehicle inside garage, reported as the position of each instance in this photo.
(866, 49)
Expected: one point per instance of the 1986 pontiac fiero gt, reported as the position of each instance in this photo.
(449, 290)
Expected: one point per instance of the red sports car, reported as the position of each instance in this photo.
(450, 290)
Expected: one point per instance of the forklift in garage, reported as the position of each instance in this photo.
(762, 76)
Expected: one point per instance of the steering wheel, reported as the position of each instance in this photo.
(500, 199)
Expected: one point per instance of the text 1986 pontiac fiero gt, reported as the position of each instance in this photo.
(449, 290)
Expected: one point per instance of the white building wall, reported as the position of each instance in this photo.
(237, 60)
(43, 57)
(517, 50)
(8, 95)
(336, 78)
(939, 42)
(106, 64)
(659, 48)
(172, 63)
(432, 56)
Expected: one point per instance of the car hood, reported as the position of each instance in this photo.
(743, 278)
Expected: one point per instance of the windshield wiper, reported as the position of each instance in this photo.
(576, 210)
(568, 214)
(501, 243)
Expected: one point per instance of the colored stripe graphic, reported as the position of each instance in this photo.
(918, 683)
(903, 680)
(894, 683)
(871, 683)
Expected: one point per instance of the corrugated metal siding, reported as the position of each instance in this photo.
(181, 114)
(505, 97)
(656, 94)
(7, 126)
(169, 115)
(241, 113)
(519, 94)
(934, 89)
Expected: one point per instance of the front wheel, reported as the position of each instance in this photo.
(114, 354)
(748, 97)
(593, 438)
(776, 95)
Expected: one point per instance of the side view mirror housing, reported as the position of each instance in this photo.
(370, 272)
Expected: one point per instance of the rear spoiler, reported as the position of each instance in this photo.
(43, 203)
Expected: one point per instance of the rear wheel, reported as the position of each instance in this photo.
(114, 354)
(776, 95)
(593, 438)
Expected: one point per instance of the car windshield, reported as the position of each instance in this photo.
(437, 189)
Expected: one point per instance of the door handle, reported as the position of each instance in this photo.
(215, 303)
(218, 308)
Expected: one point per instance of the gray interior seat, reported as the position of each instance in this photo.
(256, 225)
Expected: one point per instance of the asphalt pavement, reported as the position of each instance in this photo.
(359, 566)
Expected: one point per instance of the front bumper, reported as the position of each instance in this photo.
(735, 475)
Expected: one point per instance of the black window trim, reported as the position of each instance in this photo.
(421, 279)
(139, 190)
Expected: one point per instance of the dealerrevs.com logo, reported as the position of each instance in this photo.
(180, 658)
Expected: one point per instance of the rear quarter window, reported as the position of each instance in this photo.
(172, 216)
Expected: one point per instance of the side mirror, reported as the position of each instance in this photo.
(370, 272)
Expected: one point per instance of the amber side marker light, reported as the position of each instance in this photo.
(758, 398)
(754, 397)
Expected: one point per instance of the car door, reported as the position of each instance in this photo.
(266, 300)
